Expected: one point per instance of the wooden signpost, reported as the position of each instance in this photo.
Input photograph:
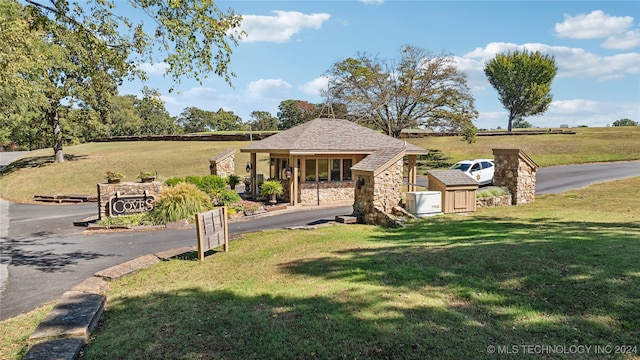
(212, 230)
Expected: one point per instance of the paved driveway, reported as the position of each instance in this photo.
(42, 254)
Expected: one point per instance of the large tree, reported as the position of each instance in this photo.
(194, 120)
(523, 81)
(263, 121)
(417, 89)
(296, 112)
(625, 122)
(85, 51)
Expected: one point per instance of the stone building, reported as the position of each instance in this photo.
(223, 164)
(321, 161)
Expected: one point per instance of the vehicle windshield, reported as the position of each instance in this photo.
(461, 167)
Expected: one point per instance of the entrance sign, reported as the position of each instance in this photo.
(130, 204)
(212, 230)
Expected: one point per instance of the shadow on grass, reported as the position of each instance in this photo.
(442, 288)
(36, 161)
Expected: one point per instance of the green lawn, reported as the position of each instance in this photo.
(87, 164)
(554, 273)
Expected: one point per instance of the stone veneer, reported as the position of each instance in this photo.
(376, 196)
(493, 201)
(327, 191)
(107, 191)
(223, 164)
(517, 172)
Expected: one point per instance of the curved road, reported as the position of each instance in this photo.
(42, 254)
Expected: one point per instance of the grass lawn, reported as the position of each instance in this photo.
(87, 164)
(562, 274)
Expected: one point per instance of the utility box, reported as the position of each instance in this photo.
(458, 190)
(423, 203)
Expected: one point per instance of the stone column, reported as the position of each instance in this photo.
(517, 172)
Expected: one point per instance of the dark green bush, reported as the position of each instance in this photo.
(225, 197)
(209, 183)
(174, 181)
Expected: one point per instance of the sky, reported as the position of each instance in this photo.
(290, 45)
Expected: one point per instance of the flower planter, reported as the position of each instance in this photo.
(113, 181)
(147, 180)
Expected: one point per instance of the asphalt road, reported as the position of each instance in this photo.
(42, 254)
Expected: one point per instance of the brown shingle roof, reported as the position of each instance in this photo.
(452, 177)
(329, 136)
(378, 159)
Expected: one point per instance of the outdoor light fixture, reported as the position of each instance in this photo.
(287, 172)
(248, 168)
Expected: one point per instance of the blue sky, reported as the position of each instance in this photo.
(291, 44)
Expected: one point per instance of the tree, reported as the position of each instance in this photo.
(521, 124)
(296, 112)
(193, 120)
(125, 119)
(156, 120)
(625, 122)
(263, 121)
(523, 81)
(228, 121)
(84, 52)
(418, 89)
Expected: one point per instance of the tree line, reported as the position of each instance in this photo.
(61, 65)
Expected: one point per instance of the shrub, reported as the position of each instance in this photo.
(125, 220)
(225, 197)
(491, 192)
(233, 180)
(247, 205)
(271, 187)
(209, 183)
(181, 201)
(174, 181)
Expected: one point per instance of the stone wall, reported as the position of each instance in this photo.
(517, 172)
(108, 191)
(223, 164)
(329, 192)
(375, 197)
(493, 201)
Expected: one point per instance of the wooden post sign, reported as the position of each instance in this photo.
(212, 230)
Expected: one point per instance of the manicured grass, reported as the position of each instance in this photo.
(560, 272)
(87, 164)
(15, 332)
(588, 145)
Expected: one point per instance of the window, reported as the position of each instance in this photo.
(486, 165)
(323, 169)
(310, 170)
(335, 170)
(346, 169)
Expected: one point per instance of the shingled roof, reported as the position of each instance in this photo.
(329, 136)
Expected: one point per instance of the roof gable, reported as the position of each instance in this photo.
(324, 135)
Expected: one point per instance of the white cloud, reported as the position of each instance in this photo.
(374, 2)
(627, 40)
(154, 69)
(281, 27)
(572, 62)
(596, 25)
(199, 92)
(267, 89)
(315, 86)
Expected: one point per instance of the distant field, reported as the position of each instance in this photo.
(87, 163)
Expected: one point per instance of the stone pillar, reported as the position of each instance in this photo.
(517, 172)
(223, 164)
(377, 193)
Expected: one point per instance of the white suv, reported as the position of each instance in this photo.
(480, 170)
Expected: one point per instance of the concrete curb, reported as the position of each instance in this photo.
(66, 328)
